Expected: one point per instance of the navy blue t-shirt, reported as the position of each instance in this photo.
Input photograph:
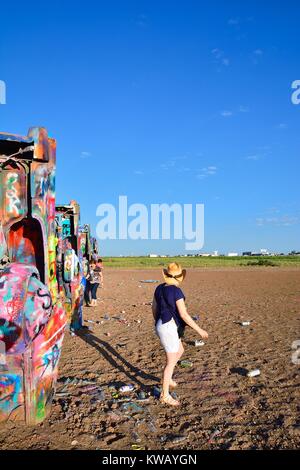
(166, 297)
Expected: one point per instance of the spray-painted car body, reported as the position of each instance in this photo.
(71, 260)
(85, 247)
(32, 317)
(88, 247)
(94, 248)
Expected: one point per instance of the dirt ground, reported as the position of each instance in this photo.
(221, 407)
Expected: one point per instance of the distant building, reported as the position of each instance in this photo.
(153, 256)
(247, 253)
(204, 254)
(232, 254)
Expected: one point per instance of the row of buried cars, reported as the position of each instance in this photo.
(44, 257)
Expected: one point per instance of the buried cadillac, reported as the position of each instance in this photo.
(70, 261)
(32, 317)
(75, 248)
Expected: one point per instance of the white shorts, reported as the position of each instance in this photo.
(168, 335)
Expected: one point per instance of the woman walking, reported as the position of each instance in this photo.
(171, 317)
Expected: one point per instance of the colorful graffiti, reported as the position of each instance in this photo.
(32, 331)
(44, 256)
(32, 315)
(89, 244)
(85, 247)
(13, 201)
(67, 218)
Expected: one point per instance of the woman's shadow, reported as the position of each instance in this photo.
(116, 360)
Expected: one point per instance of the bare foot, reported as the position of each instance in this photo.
(168, 400)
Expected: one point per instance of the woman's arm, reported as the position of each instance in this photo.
(188, 319)
(154, 307)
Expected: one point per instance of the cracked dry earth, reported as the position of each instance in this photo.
(221, 407)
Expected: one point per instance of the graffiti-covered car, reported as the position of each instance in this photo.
(32, 316)
(94, 248)
(85, 241)
(88, 246)
(71, 262)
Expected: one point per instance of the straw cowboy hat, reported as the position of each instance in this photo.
(174, 274)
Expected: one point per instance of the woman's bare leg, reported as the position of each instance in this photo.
(179, 354)
(167, 377)
(168, 371)
(180, 351)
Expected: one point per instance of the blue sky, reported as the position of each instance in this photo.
(164, 101)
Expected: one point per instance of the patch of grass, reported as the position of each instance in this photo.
(201, 262)
(262, 262)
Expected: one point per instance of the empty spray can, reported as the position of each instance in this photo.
(253, 373)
